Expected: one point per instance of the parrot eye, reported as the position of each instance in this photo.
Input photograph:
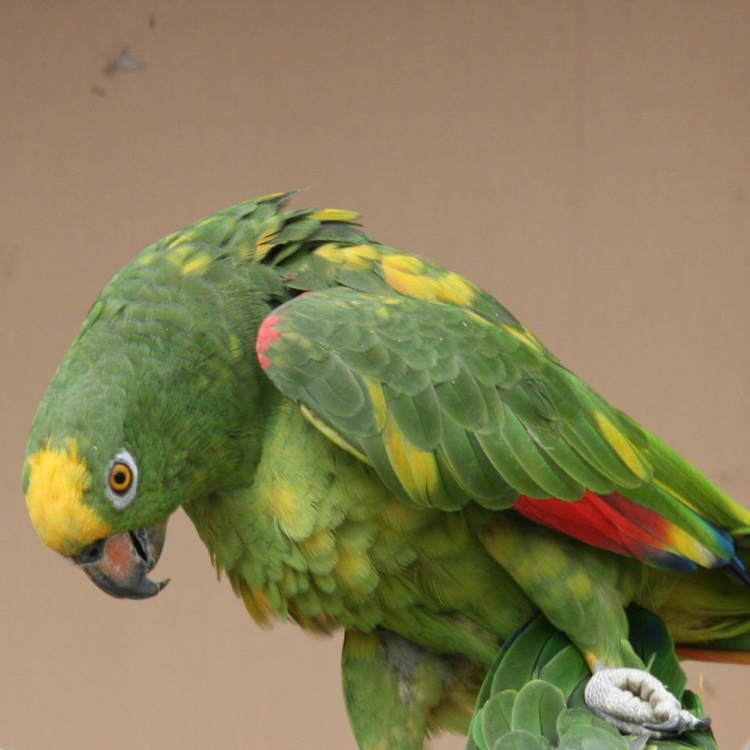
(122, 480)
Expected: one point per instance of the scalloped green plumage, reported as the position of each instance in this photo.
(496, 717)
(536, 709)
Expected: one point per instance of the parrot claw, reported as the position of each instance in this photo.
(637, 703)
(677, 723)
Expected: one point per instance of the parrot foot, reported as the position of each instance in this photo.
(637, 703)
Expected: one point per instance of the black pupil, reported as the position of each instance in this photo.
(119, 478)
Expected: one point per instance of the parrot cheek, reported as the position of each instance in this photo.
(119, 564)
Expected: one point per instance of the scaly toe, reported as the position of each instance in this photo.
(670, 726)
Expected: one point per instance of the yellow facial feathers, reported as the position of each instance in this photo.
(57, 484)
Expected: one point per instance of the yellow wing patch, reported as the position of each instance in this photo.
(331, 434)
(335, 214)
(178, 253)
(526, 337)
(147, 258)
(197, 264)
(403, 263)
(417, 286)
(409, 276)
(183, 238)
(684, 544)
(185, 256)
(377, 397)
(456, 290)
(367, 252)
(58, 482)
(416, 469)
(355, 257)
(621, 446)
(406, 274)
(270, 197)
(265, 243)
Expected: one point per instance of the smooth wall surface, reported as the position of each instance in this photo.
(587, 161)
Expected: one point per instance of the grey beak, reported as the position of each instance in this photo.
(119, 565)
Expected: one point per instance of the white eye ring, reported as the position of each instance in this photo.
(121, 499)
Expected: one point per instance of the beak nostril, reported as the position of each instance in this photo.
(90, 554)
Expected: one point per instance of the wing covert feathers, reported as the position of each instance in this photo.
(451, 399)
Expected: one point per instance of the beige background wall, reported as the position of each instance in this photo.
(587, 161)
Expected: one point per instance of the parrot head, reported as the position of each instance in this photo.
(151, 409)
(86, 487)
(92, 456)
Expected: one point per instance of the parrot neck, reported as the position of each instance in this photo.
(274, 537)
(223, 441)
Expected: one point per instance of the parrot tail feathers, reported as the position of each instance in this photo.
(735, 650)
(739, 565)
(736, 567)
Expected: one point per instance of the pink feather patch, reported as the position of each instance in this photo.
(267, 334)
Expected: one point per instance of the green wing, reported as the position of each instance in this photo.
(443, 391)
(450, 399)
(445, 405)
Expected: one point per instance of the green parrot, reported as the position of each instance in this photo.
(368, 441)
